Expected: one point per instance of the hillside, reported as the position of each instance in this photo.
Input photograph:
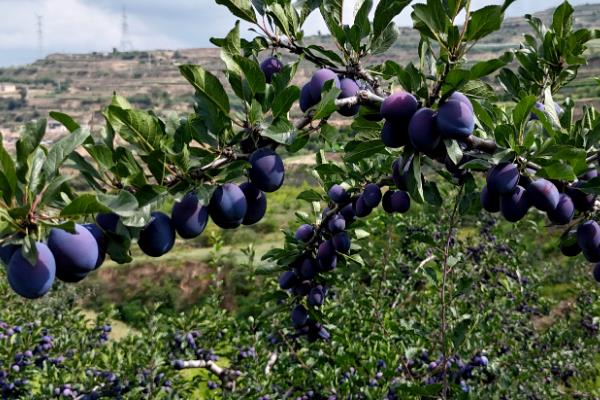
(81, 84)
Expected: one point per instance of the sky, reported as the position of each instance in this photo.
(82, 26)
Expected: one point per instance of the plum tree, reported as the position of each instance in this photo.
(158, 236)
(564, 211)
(515, 205)
(455, 119)
(32, 281)
(189, 216)
(305, 232)
(543, 195)
(422, 131)
(270, 66)
(349, 88)
(266, 171)
(228, 206)
(502, 178)
(102, 241)
(256, 203)
(75, 254)
(399, 107)
(318, 80)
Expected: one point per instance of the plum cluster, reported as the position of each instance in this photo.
(310, 95)
(67, 256)
(324, 243)
(409, 124)
(70, 257)
(512, 194)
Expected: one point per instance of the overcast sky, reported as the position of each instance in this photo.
(76, 26)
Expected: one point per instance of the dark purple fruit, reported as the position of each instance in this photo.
(75, 254)
(588, 235)
(371, 195)
(543, 195)
(158, 237)
(319, 79)
(349, 89)
(564, 211)
(422, 131)
(515, 205)
(316, 296)
(256, 201)
(360, 208)
(394, 135)
(399, 107)
(270, 66)
(455, 120)
(32, 281)
(228, 206)
(503, 178)
(287, 280)
(336, 224)
(189, 216)
(338, 194)
(299, 316)
(341, 242)
(583, 201)
(489, 201)
(305, 232)
(266, 171)
(306, 99)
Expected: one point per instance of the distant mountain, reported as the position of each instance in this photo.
(82, 84)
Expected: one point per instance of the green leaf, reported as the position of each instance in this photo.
(364, 150)
(384, 41)
(483, 22)
(9, 175)
(254, 75)
(522, 110)
(85, 204)
(385, 11)
(485, 68)
(558, 170)
(327, 106)
(415, 182)
(62, 149)
(240, 8)
(137, 127)
(430, 19)
(331, 11)
(66, 120)
(454, 151)
(207, 84)
(30, 138)
(280, 130)
(459, 333)
(284, 100)
(562, 20)
(122, 203)
(310, 195)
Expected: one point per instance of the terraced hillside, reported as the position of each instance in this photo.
(81, 84)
